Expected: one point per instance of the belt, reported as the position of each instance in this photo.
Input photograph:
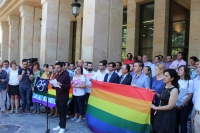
(198, 112)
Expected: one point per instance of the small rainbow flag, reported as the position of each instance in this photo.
(41, 97)
(115, 108)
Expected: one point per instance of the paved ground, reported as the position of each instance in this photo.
(36, 123)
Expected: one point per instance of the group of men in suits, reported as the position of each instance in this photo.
(113, 77)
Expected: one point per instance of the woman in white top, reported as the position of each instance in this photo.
(185, 94)
(78, 84)
(14, 87)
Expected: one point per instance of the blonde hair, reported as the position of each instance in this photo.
(161, 67)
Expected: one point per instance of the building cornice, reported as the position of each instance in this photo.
(3, 3)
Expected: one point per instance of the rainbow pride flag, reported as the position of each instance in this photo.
(115, 108)
(41, 97)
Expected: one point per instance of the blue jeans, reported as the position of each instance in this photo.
(79, 104)
(25, 94)
(36, 106)
(182, 119)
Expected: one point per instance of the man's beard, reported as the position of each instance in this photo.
(89, 69)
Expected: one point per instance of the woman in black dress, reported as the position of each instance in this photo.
(165, 115)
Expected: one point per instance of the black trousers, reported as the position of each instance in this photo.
(62, 111)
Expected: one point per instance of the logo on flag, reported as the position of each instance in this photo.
(41, 84)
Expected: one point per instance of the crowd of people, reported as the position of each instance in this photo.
(175, 83)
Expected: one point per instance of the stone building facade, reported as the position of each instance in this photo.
(104, 29)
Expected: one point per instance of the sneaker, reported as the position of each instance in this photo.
(21, 112)
(16, 112)
(28, 112)
(56, 128)
(38, 112)
(67, 116)
(62, 130)
(75, 118)
(34, 111)
(11, 112)
(4, 112)
(78, 120)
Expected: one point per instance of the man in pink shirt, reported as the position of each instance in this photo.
(175, 64)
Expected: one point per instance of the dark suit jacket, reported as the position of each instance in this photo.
(127, 80)
(113, 79)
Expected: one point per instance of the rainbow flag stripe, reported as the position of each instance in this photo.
(115, 108)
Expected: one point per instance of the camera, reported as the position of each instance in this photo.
(25, 71)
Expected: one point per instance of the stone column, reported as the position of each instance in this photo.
(27, 19)
(49, 32)
(194, 40)
(37, 33)
(13, 50)
(5, 40)
(115, 30)
(161, 27)
(64, 30)
(99, 31)
(78, 38)
(133, 19)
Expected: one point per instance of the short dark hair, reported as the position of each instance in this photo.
(80, 68)
(130, 55)
(194, 58)
(63, 63)
(52, 66)
(24, 60)
(89, 63)
(157, 57)
(103, 62)
(67, 63)
(140, 63)
(113, 64)
(127, 67)
(59, 63)
(6, 61)
(160, 56)
(140, 55)
(182, 53)
(119, 63)
(170, 56)
(46, 65)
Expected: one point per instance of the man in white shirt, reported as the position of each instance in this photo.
(100, 74)
(175, 64)
(196, 101)
(6, 66)
(145, 61)
(118, 68)
(81, 63)
(88, 87)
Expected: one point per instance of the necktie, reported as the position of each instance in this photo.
(122, 78)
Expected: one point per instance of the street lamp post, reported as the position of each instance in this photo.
(75, 8)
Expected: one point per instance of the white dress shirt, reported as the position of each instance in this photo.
(99, 76)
